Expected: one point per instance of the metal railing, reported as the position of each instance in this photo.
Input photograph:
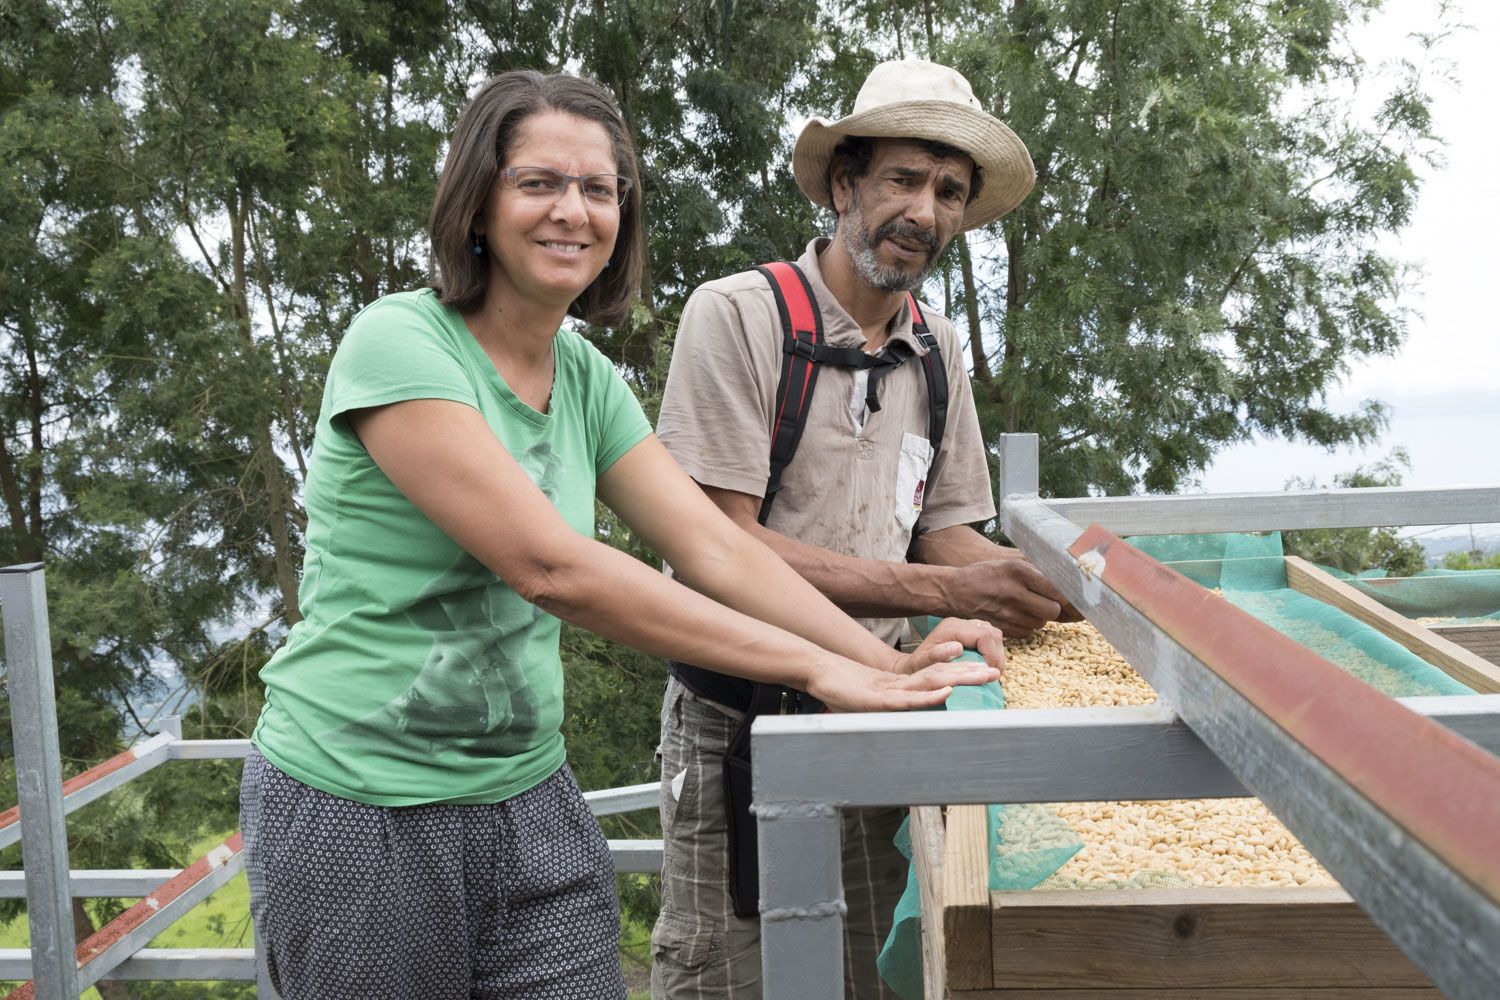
(1400, 800)
(57, 967)
(1418, 865)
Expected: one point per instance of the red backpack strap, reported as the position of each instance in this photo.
(936, 373)
(802, 335)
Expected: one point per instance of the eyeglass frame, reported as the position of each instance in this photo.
(508, 174)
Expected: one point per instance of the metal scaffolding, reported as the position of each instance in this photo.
(1398, 798)
(57, 967)
(1418, 850)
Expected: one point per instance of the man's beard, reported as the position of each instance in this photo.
(867, 263)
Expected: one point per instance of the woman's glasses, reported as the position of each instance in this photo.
(544, 183)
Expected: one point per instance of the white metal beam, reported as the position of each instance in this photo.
(210, 749)
(1386, 506)
(101, 883)
(146, 756)
(801, 899)
(156, 964)
(636, 855)
(1022, 755)
(609, 801)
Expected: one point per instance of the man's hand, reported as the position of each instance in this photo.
(1011, 594)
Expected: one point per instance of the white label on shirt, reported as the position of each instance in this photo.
(911, 479)
(857, 410)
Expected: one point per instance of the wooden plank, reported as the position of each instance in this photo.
(966, 898)
(1481, 640)
(1452, 659)
(927, 843)
(1192, 938)
(1373, 993)
(1385, 506)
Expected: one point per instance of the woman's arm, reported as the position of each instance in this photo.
(714, 555)
(445, 459)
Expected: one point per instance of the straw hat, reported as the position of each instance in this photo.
(917, 99)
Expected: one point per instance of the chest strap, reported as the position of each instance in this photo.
(804, 352)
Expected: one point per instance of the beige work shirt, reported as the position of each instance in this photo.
(859, 482)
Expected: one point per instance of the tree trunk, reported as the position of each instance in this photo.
(285, 386)
(971, 310)
(27, 548)
(1015, 289)
(83, 927)
(263, 454)
(36, 408)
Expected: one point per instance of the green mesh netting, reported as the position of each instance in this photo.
(1452, 596)
(1250, 572)
(1031, 844)
(1027, 846)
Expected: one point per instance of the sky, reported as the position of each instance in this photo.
(1443, 387)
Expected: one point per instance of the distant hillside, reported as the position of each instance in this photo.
(1485, 538)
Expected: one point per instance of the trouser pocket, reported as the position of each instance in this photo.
(688, 958)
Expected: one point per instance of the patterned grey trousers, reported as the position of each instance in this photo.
(702, 950)
(513, 900)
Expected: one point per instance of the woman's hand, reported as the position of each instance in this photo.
(846, 686)
(973, 634)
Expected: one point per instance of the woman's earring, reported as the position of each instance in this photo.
(476, 242)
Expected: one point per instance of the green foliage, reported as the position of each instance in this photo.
(1355, 550)
(1199, 261)
(1471, 560)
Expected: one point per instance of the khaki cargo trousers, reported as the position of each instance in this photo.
(703, 951)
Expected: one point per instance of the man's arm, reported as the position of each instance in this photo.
(959, 546)
(1006, 591)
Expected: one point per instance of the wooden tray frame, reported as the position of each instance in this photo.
(1457, 650)
(1192, 943)
(1198, 943)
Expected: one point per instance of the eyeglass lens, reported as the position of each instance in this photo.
(544, 182)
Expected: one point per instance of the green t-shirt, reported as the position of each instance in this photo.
(416, 674)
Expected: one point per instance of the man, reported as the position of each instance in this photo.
(917, 162)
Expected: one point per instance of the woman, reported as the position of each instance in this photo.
(411, 826)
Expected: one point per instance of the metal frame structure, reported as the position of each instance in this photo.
(1399, 799)
(57, 967)
(1418, 851)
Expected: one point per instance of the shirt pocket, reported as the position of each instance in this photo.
(911, 479)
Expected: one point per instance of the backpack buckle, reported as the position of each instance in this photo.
(802, 348)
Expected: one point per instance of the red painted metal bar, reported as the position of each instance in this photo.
(73, 784)
(1441, 789)
(81, 781)
(138, 914)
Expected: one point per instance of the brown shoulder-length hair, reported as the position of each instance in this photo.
(486, 130)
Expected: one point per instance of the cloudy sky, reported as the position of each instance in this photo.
(1444, 385)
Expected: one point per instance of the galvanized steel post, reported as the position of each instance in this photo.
(44, 832)
(801, 900)
(1020, 466)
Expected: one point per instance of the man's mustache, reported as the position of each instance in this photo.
(907, 231)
